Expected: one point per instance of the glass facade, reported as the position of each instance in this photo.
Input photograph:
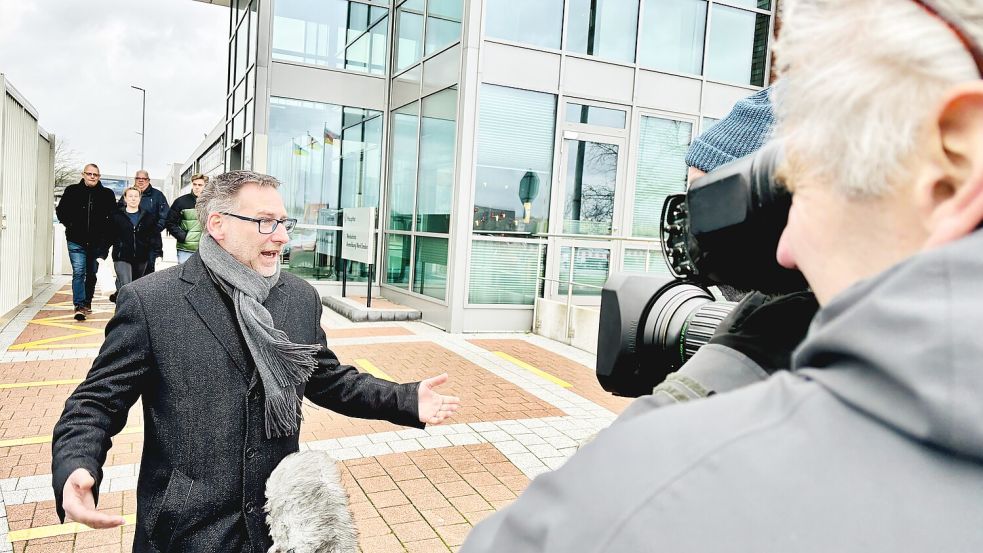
(566, 181)
(340, 34)
(603, 28)
(515, 160)
(328, 157)
(538, 22)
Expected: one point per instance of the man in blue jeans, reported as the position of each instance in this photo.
(85, 209)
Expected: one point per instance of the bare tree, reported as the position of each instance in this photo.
(67, 167)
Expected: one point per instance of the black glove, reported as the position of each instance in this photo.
(767, 328)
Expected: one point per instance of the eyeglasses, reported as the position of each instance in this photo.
(142, 178)
(88, 174)
(266, 225)
(974, 49)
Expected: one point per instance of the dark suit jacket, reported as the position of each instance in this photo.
(174, 342)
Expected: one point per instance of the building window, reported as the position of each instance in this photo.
(590, 268)
(402, 163)
(430, 267)
(738, 46)
(603, 28)
(662, 145)
(593, 115)
(673, 33)
(538, 22)
(327, 158)
(340, 34)
(398, 259)
(515, 160)
(591, 177)
(409, 34)
(443, 24)
(645, 261)
(506, 273)
(435, 188)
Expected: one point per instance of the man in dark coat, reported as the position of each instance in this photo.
(219, 416)
(154, 202)
(85, 209)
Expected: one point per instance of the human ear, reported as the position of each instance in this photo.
(215, 225)
(950, 195)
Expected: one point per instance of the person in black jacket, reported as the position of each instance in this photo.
(85, 209)
(133, 232)
(154, 202)
(218, 416)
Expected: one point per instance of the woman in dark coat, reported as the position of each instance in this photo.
(133, 229)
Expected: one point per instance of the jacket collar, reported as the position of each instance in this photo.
(207, 302)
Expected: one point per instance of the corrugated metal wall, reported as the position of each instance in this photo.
(26, 167)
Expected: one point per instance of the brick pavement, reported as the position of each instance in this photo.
(410, 490)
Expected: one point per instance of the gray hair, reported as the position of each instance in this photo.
(859, 78)
(222, 193)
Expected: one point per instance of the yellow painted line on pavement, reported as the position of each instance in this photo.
(62, 346)
(58, 530)
(47, 438)
(39, 383)
(368, 367)
(534, 370)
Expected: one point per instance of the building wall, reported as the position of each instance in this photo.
(454, 118)
(26, 190)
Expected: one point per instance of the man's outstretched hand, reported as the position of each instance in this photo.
(435, 407)
(80, 504)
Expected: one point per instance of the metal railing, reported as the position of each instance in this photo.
(567, 330)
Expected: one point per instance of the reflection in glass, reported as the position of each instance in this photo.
(443, 24)
(402, 166)
(409, 34)
(593, 115)
(533, 22)
(591, 175)
(316, 254)
(326, 156)
(738, 46)
(430, 268)
(506, 273)
(398, 259)
(673, 32)
(515, 160)
(333, 33)
(436, 179)
(590, 267)
(760, 4)
(645, 261)
(603, 28)
(662, 145)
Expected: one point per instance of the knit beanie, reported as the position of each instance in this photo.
(745, 129)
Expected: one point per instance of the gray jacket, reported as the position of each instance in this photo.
(874, 443)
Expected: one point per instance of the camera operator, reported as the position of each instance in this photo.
(874, 440)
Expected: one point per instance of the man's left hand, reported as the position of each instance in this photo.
(435, 407)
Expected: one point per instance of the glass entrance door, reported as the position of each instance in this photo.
(590, 175)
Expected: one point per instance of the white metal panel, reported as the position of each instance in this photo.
(719, 98)
(324, 85)
(18, 195)
(520, 67)
(442, 70)
(44, 213)
(668, 92)
(598, 80)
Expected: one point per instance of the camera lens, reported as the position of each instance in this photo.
(644, 336)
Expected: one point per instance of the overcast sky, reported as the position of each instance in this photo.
(75, 60)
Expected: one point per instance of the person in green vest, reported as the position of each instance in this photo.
(182, 222)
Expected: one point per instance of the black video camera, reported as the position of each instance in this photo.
(723, 231)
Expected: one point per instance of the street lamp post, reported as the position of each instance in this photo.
(143, 125)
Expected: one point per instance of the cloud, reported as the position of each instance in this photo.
(75, 61)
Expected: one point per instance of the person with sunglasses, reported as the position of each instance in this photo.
(221, 350)
(85, 209)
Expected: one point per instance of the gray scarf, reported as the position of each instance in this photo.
(282, 364)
